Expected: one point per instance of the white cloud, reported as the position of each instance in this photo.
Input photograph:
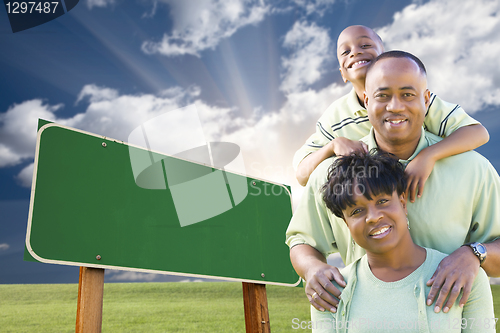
(191, 280)
(18, 130)
(120, 276)
(460, 55)
(459, 46)
(4, 246)
(311, 47)
(99, 3)
(26, 175)
(108, 113)
(131, 276)
(200, 25)
(96, 94)
(115, 115)
(267, 140)
(315, 6)
(152, 12)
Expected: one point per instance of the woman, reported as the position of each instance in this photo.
(386, 288)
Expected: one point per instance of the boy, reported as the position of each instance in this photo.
(346, 121)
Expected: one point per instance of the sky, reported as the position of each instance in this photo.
(259, 72)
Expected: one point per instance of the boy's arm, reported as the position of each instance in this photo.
(338, 146)
(330, 127)
(311, 161)
(463, 139)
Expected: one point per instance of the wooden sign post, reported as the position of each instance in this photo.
(90, 300)
(256, 310)
(90, 297)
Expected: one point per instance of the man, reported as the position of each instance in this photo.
(461, 205)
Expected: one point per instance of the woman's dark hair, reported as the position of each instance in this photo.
(367, 173)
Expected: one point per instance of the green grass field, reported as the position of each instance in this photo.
(152, 307)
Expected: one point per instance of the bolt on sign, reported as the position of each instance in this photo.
(103, 203)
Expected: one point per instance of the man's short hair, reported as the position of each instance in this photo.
(397, 54)
(369, 174)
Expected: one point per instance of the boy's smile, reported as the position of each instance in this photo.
(359, 63)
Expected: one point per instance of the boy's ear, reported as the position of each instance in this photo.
(381, 47)
(342, 74)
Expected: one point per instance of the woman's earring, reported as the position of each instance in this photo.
(408, 222)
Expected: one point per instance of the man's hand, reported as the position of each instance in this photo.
(344, 146)
(418, 170)
(454, 273)
(311, 265)
(319, 288)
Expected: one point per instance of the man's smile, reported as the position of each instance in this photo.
(396, 121)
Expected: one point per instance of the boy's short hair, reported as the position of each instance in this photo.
(369, 173)
(379, 39)
(397, 54)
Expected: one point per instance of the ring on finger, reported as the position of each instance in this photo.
(314, 295)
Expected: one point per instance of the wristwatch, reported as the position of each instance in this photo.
(479, 250)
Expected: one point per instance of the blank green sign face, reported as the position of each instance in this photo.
(97, 202)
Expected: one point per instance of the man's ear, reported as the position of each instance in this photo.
(342, 74)
(365, 99)
(427, 98)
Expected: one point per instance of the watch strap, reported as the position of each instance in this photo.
(479, 255)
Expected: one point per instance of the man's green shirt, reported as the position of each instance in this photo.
(460, 204)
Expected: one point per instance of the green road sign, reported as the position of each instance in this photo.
(98, 202)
